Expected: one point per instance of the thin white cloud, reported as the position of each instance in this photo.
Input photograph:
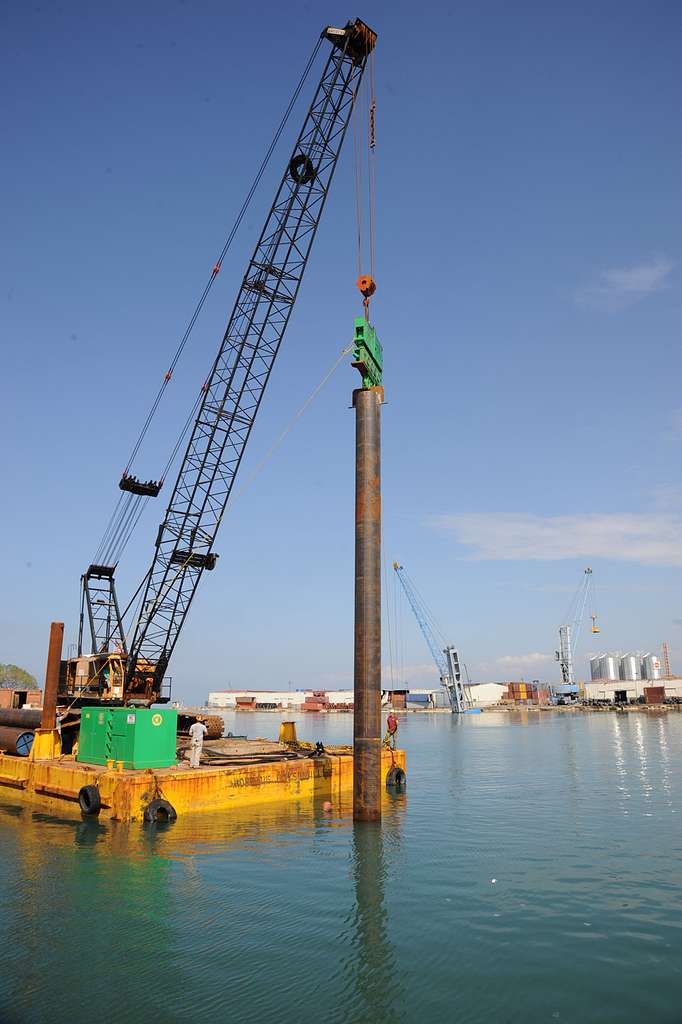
(649, 539)
(620, 287)
(535, 658)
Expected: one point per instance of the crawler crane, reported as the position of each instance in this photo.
(129, 667)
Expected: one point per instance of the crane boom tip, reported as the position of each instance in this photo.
(357, 39)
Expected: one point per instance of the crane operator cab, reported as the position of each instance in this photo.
(102, 678)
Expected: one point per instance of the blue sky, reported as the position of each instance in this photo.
(528, 262)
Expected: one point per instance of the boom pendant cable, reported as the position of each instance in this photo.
(289, 427)
(218, 264)
(115, 529)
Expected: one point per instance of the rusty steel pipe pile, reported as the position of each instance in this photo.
(367, 668)
(54, 657)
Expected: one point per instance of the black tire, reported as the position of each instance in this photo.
(160, 810)
(89, 800)
(396, 778)
(301, 169)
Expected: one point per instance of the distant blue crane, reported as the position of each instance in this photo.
(447, 659)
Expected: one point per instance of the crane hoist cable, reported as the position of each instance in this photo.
(364, 148)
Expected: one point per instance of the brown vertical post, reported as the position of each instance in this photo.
(367, 669)
(54, 657)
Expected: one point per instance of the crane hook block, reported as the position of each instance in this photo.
(367, 285)
(146, 488)
(368, 355)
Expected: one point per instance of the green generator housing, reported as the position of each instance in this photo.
(138, 737)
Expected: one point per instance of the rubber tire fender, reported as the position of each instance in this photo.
(396, 778)
(89, 800)
(160, 810)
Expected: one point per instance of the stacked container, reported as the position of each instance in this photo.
(317, 701)
(525, 693)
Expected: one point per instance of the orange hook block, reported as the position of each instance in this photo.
(367, 285)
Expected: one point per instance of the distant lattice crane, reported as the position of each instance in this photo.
(667, 674)
(569, 632)
(446, 659)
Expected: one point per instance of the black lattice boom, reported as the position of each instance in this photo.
(237, 381)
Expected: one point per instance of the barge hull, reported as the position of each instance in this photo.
(55, 784)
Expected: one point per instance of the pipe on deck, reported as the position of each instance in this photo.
(26, 718)
(16, 740)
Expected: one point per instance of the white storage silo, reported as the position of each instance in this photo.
(651, 666)
(630, 666)
(610, 667)
(595, 667)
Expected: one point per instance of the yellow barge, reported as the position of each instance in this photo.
(125, 795)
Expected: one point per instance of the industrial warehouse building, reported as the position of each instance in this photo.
(623, 677)
(629, 689)
(425, 698)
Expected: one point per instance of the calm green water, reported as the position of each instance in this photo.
(289, 915)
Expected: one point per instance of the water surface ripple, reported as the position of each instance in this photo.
(286, 914)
